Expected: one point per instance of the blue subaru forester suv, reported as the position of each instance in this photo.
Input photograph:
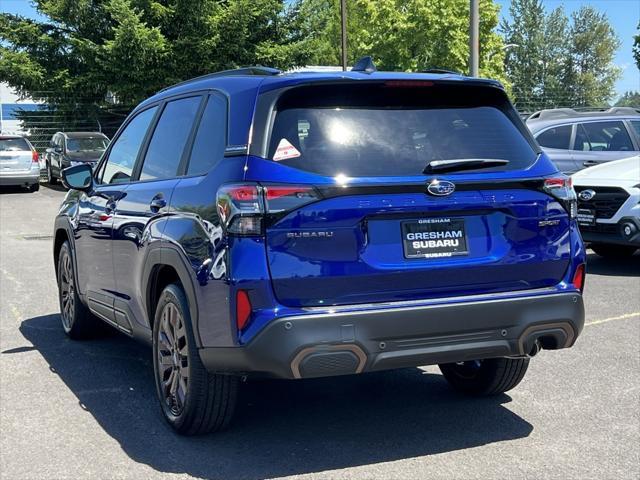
(299, 225)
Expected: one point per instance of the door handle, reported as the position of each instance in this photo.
(590, 163)
(158, 202)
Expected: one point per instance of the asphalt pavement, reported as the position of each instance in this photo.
(88, 409)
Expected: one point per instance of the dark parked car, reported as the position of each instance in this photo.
(258, 223)
(73, 148)
(576, 140)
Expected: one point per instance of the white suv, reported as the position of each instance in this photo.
(609, 206)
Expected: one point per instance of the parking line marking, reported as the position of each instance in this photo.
(611, 319)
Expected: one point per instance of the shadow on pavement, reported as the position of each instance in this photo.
(281, 427)
(618, 267)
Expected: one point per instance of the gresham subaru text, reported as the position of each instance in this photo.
(299, 225)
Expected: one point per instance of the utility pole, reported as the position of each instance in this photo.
(474, 40)
(343, 15)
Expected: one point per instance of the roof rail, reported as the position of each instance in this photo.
(256, 70)
(552, 113)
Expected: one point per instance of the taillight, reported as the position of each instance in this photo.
(243, 309)
(243, 207)
(561, 188)
(34, 156)
(578, 277)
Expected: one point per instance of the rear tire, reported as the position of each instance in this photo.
(193, 401)
(613, 251)
(492, 376)
(34, 187)
(78, 322)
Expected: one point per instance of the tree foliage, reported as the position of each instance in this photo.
(629, 99)
(129, 49)
(636, 47)
(560, 61)
(405, 35)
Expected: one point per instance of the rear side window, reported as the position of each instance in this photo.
(208, 146)
(169, 139)
(636, 126)
(13, 145)
(395, 129)
(604, 137)
(556, 137)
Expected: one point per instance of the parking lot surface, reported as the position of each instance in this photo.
(88, 409)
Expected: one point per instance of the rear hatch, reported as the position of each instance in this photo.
(402, 192)
(16, 155)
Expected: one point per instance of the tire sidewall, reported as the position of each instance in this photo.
(65, 250)
(174, 294)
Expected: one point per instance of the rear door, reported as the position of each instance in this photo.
(379, 224)
(601, 142)
(139, 213)
(16, 155)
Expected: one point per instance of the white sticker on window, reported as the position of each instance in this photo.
(285, 150)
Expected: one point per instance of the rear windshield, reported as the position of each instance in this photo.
(13, 144)
(396, 130)
(84, 144)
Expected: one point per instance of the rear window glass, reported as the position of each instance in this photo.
(380, 130)
(13, 144)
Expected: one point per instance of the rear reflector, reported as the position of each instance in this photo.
(243, 309)
(578, 277)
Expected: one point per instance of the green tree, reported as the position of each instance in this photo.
(592, 76)
(87, 50)
(629, 99)
(559, 62)
(405, 35)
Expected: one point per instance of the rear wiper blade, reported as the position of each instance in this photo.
(463, 164)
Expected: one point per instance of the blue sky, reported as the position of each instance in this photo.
(623, 14)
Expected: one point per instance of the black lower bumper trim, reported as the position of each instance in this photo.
(368, 340)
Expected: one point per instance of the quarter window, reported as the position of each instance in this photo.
(124, 152)
(208, 146)
(169, 139)
(556, 137)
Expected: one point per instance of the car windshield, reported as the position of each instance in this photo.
(381, 131)
(87, 144)
(13, 144)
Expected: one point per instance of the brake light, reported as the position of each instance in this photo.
(561, 188)
(578, 277)
(34, 156)
(408, 83)
(242, 207)
(243, 309)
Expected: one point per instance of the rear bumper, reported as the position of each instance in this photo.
(23, 178)
(626, 232)
(347, 341)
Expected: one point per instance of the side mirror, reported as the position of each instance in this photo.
(78, 177)
(57, 149)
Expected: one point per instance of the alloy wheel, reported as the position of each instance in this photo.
(67, 291)
(173, 359)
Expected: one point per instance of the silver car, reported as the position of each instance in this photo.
(576, 140)
(18, 162)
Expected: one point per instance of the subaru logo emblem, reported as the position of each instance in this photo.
(586, 195)
(440, 188)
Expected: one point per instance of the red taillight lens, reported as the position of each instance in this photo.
(34, 156)
(242, 207)
(578, 277)
(282, 198)
(561, 187)
(243, 309)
